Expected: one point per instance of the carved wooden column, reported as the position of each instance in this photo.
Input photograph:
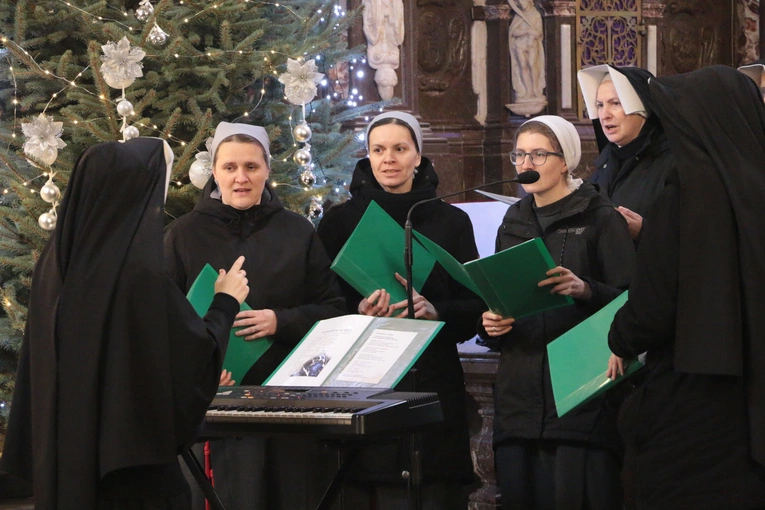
(480, 372)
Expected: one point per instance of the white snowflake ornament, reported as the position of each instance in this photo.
(300, 81)
(43, 138)
(121, 63)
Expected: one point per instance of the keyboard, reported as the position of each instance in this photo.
(253, 410)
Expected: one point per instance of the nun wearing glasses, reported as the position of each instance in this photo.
(544, 461)
(635, 155)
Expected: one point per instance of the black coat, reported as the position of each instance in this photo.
(116, 369)
(636, 180)
(287, 266)
(447, 453)
(591, 239)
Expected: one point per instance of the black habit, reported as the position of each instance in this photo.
(695, 430)
(116, 369)
(633, 175)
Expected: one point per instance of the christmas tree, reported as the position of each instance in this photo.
(78, 72)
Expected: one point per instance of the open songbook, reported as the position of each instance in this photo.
(506, 281)
(356, 350)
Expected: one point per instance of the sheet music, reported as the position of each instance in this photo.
(379, 353)
(320, 352)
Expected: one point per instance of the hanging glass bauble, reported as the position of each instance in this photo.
(131, 132)
(302, 157)
(314, 210)
(157, 36)
(124, 108)
(307, 178)
(50, 192)
(199, 173)
(302, 132)
(47, 221)
(144, 11)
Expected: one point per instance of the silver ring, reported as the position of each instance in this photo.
(495, 328)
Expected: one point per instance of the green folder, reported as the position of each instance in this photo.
(579, 359)
(373, 254)
(506, 281)
(241, 353)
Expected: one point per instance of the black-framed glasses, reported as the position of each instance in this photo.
(537, 157)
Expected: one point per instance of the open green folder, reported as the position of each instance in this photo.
(506, 281)
(375, 252)
(579, 359)
(241, 353)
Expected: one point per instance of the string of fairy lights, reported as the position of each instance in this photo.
(334, 87)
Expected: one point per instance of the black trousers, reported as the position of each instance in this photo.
(548, 475)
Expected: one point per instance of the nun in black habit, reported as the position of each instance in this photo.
(635, 156)
(695, 430)
(116, 369)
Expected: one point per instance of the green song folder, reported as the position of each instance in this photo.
(506, 281)
(579, 359)
(373, 254)
(241, 353)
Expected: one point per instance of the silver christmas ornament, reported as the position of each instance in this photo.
(157, 36)
(199, 173)
(302, 157)
(144, 11)
(124, 108)
(307, 178)
(47, 221)
(130, 133)
(314, 210)
(302, 132)
(50, 192)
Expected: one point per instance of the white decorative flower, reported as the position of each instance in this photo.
(43, 139)
(121, 63)
(300, 81)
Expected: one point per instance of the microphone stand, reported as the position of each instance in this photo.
(527, 177)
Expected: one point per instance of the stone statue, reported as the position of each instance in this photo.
(384, 31)
(527, 58)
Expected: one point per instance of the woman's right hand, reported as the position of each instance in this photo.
(225, 379)
(233, 282)
(495, 324)
(377, 304)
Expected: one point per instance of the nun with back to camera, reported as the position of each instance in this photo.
(396, 176)
(116, 370)
(543, 461)
(694, 430)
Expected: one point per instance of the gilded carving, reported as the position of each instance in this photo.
(608, 32)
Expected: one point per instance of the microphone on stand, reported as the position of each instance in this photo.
(527, 177)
